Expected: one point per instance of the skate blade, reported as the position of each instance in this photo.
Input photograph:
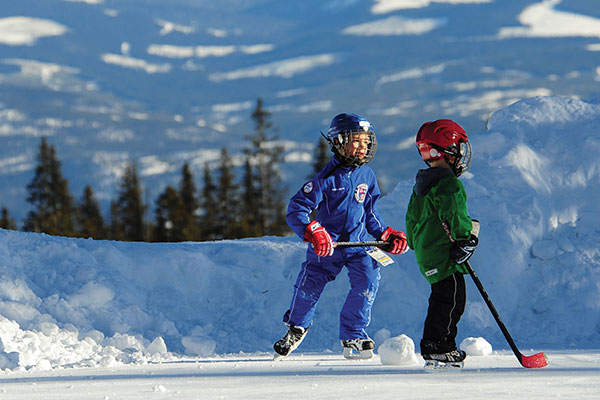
(278, 355)
(434, 366)
(350, 354)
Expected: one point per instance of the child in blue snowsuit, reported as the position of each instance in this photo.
(345, 194)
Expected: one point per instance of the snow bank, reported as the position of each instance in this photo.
(533, 184)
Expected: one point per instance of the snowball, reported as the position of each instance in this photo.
(476, 346)
(398, 350)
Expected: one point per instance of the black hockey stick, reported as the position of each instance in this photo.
(361, 244)
(538, 360)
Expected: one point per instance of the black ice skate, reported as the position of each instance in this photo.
(452, 360)
(290, 341)
(358, 349)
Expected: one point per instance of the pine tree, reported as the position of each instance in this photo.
(116, 228)
(265, 155)
(89, 218)
(169, 212)
(226, 207)
(249, 203)
(321, 157)
(190, 229)
(49, 194)
(6, 222)
(207, 218)
(128, 210)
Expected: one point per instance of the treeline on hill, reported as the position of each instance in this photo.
(222, 208)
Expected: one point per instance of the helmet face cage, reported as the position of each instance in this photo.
(464, 161)
(460, 152)
(340, 132)
(339, 144)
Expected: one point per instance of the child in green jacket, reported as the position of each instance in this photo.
(438, 229)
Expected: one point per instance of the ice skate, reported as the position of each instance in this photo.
(290, 341)
(358, 349)
(452, 360)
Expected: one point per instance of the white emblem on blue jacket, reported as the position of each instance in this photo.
(308, 187)
(361, 192)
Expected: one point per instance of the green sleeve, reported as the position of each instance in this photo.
(409, 223)
(452, 208)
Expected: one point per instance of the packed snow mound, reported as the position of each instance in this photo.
(533, 184)
(85, 302)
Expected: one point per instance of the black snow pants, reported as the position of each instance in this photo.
(446, 305)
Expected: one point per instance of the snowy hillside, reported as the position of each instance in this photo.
(533, 184)
(110, 81)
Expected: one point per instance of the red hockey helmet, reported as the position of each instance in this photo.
(445, 139)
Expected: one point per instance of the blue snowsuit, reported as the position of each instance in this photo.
(345, 199)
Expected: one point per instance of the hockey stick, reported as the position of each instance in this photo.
(538, 360)
(360, 244)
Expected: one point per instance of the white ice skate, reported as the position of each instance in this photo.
(358, 349)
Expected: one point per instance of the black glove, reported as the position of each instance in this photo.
(462, 250)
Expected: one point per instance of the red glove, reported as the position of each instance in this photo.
(396, 239)
(320, 239)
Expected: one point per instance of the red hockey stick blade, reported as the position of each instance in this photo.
(538, 360)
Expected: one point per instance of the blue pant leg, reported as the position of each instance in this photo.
(316, 272)
(364, 276)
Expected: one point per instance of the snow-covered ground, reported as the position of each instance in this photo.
(570, 375)
(112, 320)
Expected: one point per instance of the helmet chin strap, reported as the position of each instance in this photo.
(455, 166)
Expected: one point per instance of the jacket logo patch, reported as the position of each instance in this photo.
(308, 187)
(431, 272)
(361, 192)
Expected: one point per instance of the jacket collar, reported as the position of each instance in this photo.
(427, 178)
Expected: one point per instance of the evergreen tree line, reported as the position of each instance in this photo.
(222, 208)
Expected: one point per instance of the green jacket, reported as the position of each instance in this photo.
(437, 196)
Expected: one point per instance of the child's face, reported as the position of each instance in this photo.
(357, 145)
